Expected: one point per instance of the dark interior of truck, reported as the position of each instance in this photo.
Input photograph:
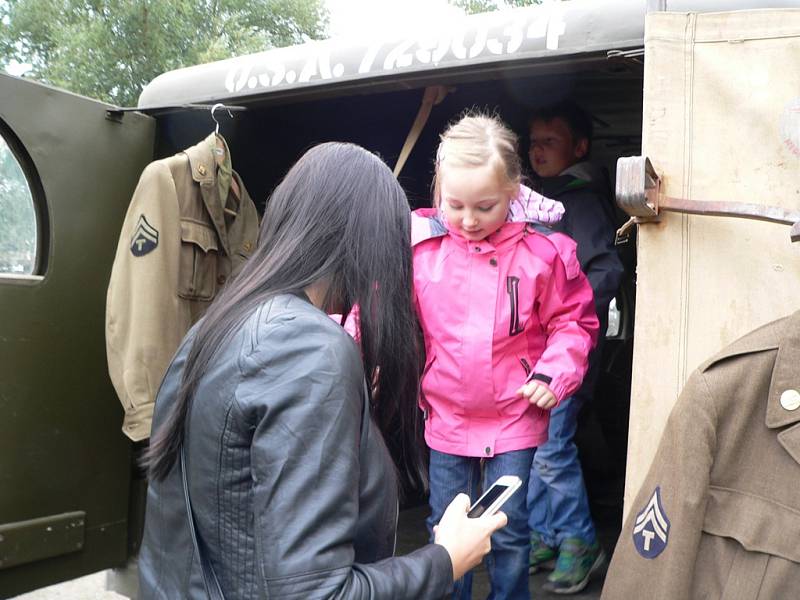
(267, 137)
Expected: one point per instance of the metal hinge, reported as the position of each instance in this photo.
(36, 539)
(639, 195)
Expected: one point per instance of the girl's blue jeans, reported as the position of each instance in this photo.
(507, 563)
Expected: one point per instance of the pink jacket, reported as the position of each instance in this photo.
(496, 313)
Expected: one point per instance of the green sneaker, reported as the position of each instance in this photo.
(542, 555)
(576, 562)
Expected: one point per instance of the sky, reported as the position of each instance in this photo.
(364, 18)
(16, 68)
(368, 18)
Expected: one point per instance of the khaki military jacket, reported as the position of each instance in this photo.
(718, 516)
(178, 247)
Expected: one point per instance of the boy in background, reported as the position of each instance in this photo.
(563, 536)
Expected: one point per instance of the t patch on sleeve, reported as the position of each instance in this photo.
(145, 238)
(651, 528)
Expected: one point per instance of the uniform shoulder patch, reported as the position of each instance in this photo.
(145, 238)
(651, 527)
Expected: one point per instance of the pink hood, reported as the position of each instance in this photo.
(532, 207)
(527, 207)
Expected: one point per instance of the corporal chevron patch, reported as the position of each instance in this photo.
(651, 527)
(145, 238)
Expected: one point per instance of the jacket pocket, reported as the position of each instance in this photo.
(421, 401)
(526, 366)
(747, 541)
(758, 523)
(197, 277)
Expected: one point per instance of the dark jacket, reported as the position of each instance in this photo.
(287, 501)
(718, 516)
(588, 219)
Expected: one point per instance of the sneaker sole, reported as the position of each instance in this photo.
(598, 562)
(545, 566)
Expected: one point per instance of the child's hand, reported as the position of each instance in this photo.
(539, 394)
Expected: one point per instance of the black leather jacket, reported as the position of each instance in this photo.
(287, 501)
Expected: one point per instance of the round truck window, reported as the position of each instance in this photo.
(17, 217)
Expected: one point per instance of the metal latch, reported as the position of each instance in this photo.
(639, 195)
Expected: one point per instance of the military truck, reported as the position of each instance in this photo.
(703, 108)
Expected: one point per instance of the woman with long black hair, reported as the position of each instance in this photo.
(269, 474)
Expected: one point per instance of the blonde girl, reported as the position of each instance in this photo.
(508, 322)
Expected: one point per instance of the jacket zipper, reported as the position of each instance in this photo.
(512, 287)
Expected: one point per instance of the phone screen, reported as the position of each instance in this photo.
(485, 501)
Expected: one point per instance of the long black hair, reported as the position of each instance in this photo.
(340, 216)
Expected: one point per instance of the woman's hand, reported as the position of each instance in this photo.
(539, 394)
(466, 540)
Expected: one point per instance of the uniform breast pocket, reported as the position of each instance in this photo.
(197, 278)
(748, 550)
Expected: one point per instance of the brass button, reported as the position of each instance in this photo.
(221, 279)
(202, 170)
(247, 246)
(493, 262)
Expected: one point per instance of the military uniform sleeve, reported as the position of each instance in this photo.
(658, 546)
(144, 323)
(306, 411)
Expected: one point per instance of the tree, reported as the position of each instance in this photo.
(109, 49)
(478, 6)
(17, 217)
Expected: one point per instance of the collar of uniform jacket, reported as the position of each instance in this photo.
(783, 409)
(214, 181)
(783, 402)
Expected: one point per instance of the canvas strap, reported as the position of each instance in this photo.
(433, 95)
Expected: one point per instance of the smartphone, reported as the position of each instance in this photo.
(493, 498)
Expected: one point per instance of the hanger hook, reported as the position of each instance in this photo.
(215, 107)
